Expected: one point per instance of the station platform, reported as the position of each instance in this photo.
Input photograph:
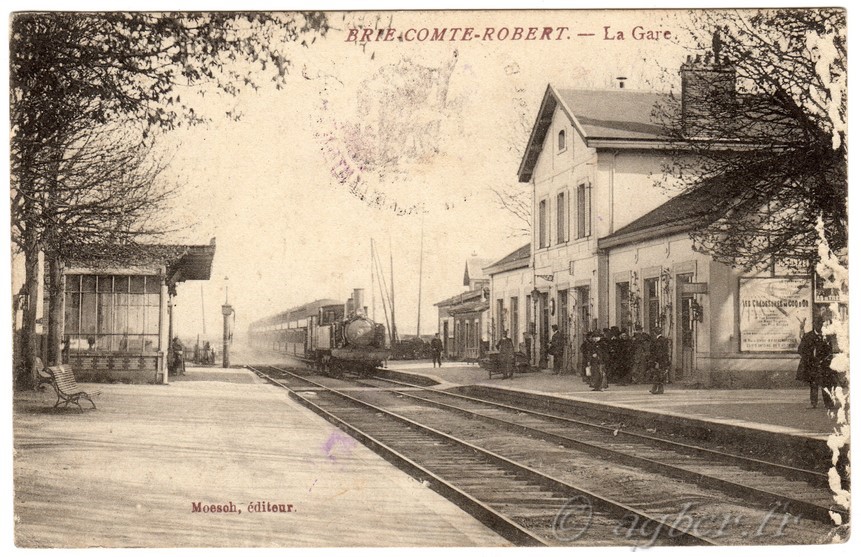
(130, 473)
(781, 411)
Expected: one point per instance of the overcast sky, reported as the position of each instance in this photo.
(430, 127)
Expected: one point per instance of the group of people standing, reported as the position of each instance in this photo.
(612, 356)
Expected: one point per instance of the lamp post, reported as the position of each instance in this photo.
(226, 312)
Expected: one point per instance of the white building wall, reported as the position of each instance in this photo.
(718, 359)
(505, 286)
(629, 180)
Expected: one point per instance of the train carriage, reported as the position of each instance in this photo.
(333, 336)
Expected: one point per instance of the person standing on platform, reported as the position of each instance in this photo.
(506, 356)
(436, 350)
(609, 341)
(641, 347)
(597, 357)
(660, 363)
(624, 356)
(557, 350)
(585, 352)
(178, 363)
(814, 368)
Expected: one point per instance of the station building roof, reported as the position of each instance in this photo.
(608, 116)
(517, 259)
(710, 200)
(461, 298)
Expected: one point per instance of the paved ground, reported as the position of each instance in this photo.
(779, 410)
(128, 474)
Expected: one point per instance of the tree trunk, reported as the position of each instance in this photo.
(29, 340)
(56, 295)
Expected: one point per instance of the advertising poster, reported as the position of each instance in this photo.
(773, 313)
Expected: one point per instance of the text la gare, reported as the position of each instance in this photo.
(638, 33)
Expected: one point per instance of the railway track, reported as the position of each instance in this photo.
(524, 481)
(521, 503)
(801, 492)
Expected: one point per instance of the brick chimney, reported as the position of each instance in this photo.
(708, 92)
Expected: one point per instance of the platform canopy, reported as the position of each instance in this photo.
(193, 262)
(181, 262)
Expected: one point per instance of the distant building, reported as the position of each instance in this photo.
(463, 322)
(474, 275)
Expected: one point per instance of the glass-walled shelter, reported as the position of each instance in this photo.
(117, 325)
(113, 313)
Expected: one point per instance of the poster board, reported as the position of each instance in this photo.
(773, 312)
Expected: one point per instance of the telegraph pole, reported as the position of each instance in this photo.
(421, 262)
(392, 301)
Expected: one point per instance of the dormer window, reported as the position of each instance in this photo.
(561, 140)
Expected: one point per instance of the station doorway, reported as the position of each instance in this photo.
(544, 334)
(685, 342)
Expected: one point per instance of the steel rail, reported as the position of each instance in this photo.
(497, 522)
(818, 479)
(805, 508)
(611, 506)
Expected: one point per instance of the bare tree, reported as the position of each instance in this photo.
(518, 203)
(512, 197)
(761, 126)
(72, 76)
(106, 200)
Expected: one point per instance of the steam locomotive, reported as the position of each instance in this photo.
(332, 336)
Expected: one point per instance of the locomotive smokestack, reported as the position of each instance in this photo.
(359, 300)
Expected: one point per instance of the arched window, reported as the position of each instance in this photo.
(561, 140)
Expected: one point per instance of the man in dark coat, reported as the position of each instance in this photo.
(506, 356)
(177, 363)
(436, 350)
(557, 350)
(814, 367)
(642, 347)
(660, 363)
(585, 352)
(597, 361)
(624, 357)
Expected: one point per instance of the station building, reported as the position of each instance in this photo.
(118, 321)
(610, 247)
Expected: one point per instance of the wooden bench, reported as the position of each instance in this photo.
(63, 381)
(44, 376)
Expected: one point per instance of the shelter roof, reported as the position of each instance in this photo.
(181, 262)
(470, 307)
